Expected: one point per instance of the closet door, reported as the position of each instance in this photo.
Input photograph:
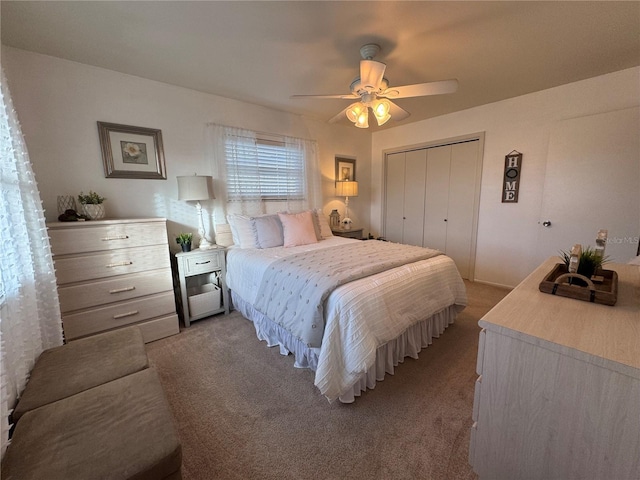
(436, 203)
(462, 191)
(414, 190)
(394, 202)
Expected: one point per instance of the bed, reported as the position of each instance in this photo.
(367, 322)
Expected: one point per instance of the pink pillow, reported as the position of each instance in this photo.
(298, 229)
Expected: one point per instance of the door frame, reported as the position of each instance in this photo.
(479, 136)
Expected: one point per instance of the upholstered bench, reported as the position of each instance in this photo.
(82, 364)
(122, 429)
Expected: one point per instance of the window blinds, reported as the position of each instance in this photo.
(263, 168)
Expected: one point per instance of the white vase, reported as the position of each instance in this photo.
(93, 211)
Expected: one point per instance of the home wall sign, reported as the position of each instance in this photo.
(511, 182)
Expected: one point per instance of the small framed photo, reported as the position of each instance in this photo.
(131, 152)
(345, 169)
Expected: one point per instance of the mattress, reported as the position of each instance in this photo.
(414, 302)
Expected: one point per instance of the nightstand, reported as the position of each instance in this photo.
(202, 285)
(350, 233)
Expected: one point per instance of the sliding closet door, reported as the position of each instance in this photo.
(436, 205)
(414, 190)
(394, 202)
(462, 190)
(431, 199)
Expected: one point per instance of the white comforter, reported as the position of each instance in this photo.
(361, 315)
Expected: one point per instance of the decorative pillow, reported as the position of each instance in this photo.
(268, 229)
(298, 228)
(325, 229)
(224, 237)
(242, 231)
(316, 224)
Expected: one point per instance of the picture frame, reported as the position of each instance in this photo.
(345, 169)
(131, 152)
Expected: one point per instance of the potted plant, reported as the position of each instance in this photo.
(92, 205)
(590, 261)
(184, 240)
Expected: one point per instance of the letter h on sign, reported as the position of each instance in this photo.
(511, 182)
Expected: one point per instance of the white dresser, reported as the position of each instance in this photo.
(558, 396)
(114, 273)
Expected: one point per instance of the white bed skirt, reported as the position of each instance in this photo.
(388, 356)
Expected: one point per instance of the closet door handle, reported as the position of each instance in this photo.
(445, 219)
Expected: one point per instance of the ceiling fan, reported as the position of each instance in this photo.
(372, 90)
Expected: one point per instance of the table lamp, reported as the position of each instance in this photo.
(346, 189)
(193, 189)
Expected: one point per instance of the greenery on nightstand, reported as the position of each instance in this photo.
(184, 238)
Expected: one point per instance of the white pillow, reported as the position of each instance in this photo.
(242, 231)
(325, 229)
(224, 237)
(298, 228)
(268, 230)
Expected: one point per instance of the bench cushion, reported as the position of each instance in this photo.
(119, 430)
(82, 364)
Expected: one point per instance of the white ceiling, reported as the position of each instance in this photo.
(263, 52)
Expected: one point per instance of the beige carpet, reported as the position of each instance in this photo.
(244, 412)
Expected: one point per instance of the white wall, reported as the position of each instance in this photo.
(59, 102)
(507, 233)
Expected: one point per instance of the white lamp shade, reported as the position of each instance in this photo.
(347, 189)
(195, 187)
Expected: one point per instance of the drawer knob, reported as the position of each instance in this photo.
(123, 315)
(119, 264)
(120, 290)
(117, 237)
(203, 263)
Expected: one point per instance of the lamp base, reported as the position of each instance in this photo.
(206, 244)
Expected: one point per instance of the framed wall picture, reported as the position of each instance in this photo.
(345, 169)
(131, 152)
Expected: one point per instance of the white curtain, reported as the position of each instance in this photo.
(226, 145)
(29, 308)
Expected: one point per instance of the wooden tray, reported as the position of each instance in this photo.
(605, 293)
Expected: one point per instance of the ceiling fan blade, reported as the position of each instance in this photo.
(371, 73)
(421, 89)
(347, 96)
(340, 116)
(397, 113)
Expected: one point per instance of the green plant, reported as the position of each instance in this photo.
(590, 261)
(92, 198)
(184, 238)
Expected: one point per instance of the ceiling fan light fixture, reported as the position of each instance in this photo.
(381, 111)
(358, 114)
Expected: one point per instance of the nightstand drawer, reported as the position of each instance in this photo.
(118, 289)
(202, 263)
(97, 320)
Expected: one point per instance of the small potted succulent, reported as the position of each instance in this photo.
(92, 205)
(184, 240)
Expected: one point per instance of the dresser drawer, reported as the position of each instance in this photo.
(126, 287)
(204, 263)
(94, 238)
(109, 264)
(116, 315)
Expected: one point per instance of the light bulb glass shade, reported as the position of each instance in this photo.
(363, 119)
(358, 113)
(195, 187)
(381, 111)
(347, 189)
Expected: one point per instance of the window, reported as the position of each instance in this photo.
(263, 168)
